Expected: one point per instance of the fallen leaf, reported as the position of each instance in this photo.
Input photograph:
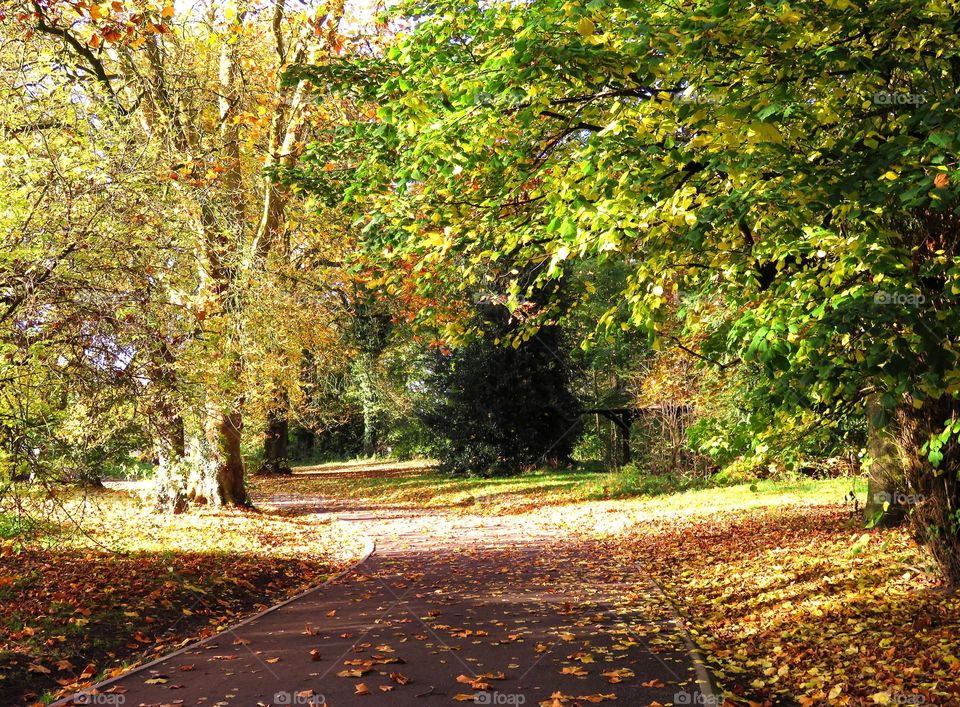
(355, 673)
(618, 675)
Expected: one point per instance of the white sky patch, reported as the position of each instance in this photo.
(359, 15)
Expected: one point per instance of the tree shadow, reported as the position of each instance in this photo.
(62, 610)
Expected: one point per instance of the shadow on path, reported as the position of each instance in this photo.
(493, 610)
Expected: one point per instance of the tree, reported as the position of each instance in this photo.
(201, 90)
(500, 404)
(89, 252)
(797, 160)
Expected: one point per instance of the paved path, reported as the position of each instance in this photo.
(449, 609)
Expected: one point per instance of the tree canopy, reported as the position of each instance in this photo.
(779, 179)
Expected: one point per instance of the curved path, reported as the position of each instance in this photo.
(449, 609)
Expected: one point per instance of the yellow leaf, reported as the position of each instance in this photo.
(352, 673)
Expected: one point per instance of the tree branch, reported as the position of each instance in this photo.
(84, 52)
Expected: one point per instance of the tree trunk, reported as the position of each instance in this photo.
(626, 454)
(363, 370)
(231, 486)
(276, 445)
(171, 442)
(932, 490)
(224, 427)
(886, 486)
(170, 449)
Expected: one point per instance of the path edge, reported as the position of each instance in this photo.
(370, 547)
(706, 681)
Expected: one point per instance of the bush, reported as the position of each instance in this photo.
(633, 480)
(500, 409)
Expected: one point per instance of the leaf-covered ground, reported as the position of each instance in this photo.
(789, 598)
(452, 608)
(103, 582)
(792, 602)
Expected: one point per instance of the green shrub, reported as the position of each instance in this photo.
(500, 409)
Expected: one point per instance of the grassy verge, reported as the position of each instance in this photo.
(102, 582)
(417, 485)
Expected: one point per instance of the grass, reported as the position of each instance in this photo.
(104, 582)
(418, 485)
(721, 499)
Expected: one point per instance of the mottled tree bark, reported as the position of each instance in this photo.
(932, 491)
(886, 485)
(231, 483)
